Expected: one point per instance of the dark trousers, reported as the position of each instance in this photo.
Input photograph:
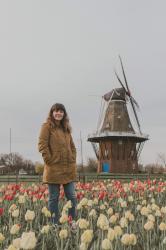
(54, 190)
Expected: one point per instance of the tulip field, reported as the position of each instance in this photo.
(111, 215)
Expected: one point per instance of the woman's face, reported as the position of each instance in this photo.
(58, 114)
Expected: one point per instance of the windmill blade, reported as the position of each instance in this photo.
(135, 102)
(135, 113)
(96, 149)
(125, 89)
(124, 75)
(131, 100)
(120, 82)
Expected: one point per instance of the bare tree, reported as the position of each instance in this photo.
(29, 167)
(14, 162)
(92, 164)
(162, 159)
(154, 168)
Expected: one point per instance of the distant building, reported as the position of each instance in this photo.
(22, 172)
(3, 169)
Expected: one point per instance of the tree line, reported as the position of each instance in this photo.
(14, 163)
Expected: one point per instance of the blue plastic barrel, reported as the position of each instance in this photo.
(106, 167)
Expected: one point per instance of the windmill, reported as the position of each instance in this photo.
(116, 143)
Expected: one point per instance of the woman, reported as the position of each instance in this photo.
(59, 155)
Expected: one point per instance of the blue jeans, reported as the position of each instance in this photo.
(54, 190)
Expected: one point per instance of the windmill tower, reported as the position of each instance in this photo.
(116, 144)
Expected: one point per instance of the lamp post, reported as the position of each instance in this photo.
(10, 150)
(82, 161)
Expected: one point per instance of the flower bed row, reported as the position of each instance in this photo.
(110, 215)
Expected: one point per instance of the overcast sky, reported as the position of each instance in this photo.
(66, 51)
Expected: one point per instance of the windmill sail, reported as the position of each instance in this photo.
(131, 99)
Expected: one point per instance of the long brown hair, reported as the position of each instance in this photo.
(64, 122)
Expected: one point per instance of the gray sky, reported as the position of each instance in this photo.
(66, 51)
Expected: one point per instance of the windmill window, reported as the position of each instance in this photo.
(106, 153)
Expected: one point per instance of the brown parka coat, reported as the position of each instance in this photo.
(59, 155)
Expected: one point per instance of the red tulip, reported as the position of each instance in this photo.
(8, 197)
(101, 195)
(1, 211)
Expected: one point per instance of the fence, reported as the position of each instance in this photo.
(84, 177)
